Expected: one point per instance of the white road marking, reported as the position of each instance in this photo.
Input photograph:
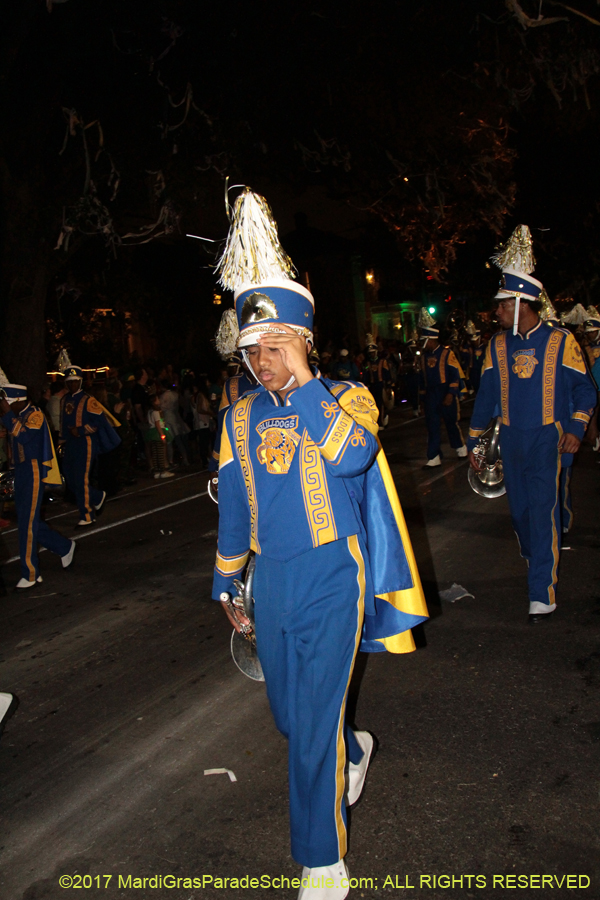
(160, 483)
(149, 512)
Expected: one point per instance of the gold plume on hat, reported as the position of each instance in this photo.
(517, 252)
(426, 320)
(547, 311)
(253, 253)
(227, 334)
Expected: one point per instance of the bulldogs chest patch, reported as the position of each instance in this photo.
(524, 363)
(279, 439)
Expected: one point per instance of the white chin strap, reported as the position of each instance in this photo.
(516, 319)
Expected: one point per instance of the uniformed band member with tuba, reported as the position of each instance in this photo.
(305, 486)
(535, 376)
(35, 465)
(85, 430)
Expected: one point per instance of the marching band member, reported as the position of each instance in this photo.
(304, 484)
(35, 465)
(441, 380)
(536, 377)
(86, 430)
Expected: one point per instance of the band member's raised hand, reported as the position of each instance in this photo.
(292, 347)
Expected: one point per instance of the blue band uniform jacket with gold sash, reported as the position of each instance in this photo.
(297, 475)
(534, 380)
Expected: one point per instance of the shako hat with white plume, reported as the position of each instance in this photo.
(592, 320)
(257, 269)
(13, 392)
(427, 325)
(66, 367)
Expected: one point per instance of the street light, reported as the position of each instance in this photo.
(432, 309)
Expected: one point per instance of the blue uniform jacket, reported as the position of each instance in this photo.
(533, 380)
(234, 388)
(441, 369)
(299, 475)
(30, 437)
(90, 418)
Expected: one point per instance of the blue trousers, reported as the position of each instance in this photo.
(29, 492)
(80, 454)
(532, 468)
(435, 411)
(309, 616)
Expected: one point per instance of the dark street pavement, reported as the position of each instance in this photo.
(488, 735)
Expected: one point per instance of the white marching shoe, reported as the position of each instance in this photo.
(67, 559)
(436, 461)
(23, 583)
(462, 451)
(325, 882)
(8, 704)
(357, 773)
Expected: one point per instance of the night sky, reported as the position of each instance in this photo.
(421, 133)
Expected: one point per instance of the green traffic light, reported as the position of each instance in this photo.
(432, 309)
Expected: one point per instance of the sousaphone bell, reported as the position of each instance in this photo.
(489, 481)
(243, 642)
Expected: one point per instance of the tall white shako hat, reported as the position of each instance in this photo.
(13, 392)
(66, 367)
(427, 326)
(517, 262)
(257, 269)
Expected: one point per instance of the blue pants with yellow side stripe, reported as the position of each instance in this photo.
(532, 469)
(80, 454)
(29, 492)
(435, 412)
(309, 616)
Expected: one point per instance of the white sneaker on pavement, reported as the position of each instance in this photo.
(8, 704)
(67, 559)
(436, 461)
(357, 773)
(82, 523)
(23, 583)
(166, 474)
(325, 882)
(462, 451)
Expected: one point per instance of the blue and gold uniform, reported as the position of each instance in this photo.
(305, 484)
(539, 385)
(35, 465)
(94, 434)
(440, 375)
(234, 388)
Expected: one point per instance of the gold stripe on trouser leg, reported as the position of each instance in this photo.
(86, 480)
(34, 499)
(354, 548)
(555, 551)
